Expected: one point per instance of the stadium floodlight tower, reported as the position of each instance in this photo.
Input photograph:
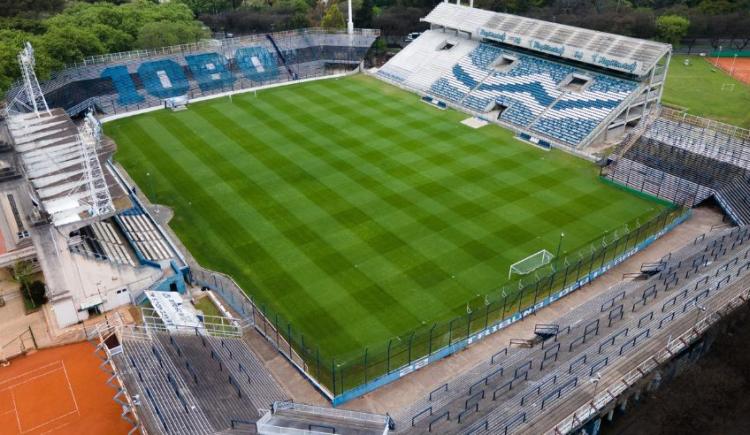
(30, 97)
(350, 23)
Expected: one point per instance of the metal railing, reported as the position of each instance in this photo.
(336, 375)
(337, 413)
(18, 345)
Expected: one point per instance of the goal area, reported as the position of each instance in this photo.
(531, 263)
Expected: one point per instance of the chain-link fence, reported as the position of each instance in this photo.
(339, 375)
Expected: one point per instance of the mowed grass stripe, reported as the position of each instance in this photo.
(422, 271)
(328, 259)
(233, 230)
(358, 174)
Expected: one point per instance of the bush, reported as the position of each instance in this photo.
(37, 291)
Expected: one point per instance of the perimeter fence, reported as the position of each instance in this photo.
(342, 378)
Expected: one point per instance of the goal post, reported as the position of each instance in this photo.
(531, 263)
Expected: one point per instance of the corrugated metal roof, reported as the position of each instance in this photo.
(606, 50)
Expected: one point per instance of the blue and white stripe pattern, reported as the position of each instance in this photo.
(576, 114)
(466, 74)
(531, 92)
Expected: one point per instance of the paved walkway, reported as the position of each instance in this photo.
(402, 393)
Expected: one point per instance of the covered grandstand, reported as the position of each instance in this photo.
(553, 84)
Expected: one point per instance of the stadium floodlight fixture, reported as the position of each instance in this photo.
(559, 244)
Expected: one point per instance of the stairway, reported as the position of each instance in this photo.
(734, 198)
(292, 74)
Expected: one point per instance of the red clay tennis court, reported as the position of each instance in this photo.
(738, 68)
(58, 391)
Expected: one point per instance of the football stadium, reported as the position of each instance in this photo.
(504, 228)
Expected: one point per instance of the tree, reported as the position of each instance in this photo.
(672, 28)
(163, 33)
(29, 8)
(333, 19)
(37, 292)
(363, 18)
(22, 272)
(69, 44)
(207, 6)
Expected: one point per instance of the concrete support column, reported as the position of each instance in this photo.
(350, 23)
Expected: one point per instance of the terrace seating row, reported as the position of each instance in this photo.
(658, 183)
(530, 88)
(249, 371)
(701, 140)
(206, 375)
(170, 405)
(516, 385)
(114, 247)
(735, 199)
(426, 59)
(682, 163)
(144, 235)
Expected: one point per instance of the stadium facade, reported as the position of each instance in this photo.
(554, 85)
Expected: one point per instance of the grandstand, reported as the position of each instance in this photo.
(552, 83)
(687, 160)
(295, 207)
(123, 82)
(522, 389)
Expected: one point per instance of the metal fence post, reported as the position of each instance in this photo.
(388, 357)
(429, 342)
(411, 339)
(551, 283)
(450, 332)
(505, 302)
(289, 339)
(365, 365)
(333, 374)
(317, 361)
(277, 332)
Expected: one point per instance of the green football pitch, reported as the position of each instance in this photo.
(704, 90)
(358, 212)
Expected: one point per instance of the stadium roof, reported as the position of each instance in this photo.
(605, 50)
(57, 160)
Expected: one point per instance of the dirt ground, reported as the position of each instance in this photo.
(58, 391)
(709, 398)
(739, 67)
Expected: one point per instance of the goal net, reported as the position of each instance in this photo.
(531, 263)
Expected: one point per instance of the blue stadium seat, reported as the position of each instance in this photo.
(163, 78)
(257, 63)
(127, 93)
(210, 70)
(531, 90)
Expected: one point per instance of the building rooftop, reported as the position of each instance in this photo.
(605, 50)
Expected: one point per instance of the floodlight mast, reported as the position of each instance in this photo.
(350, 23)
(32, 97)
